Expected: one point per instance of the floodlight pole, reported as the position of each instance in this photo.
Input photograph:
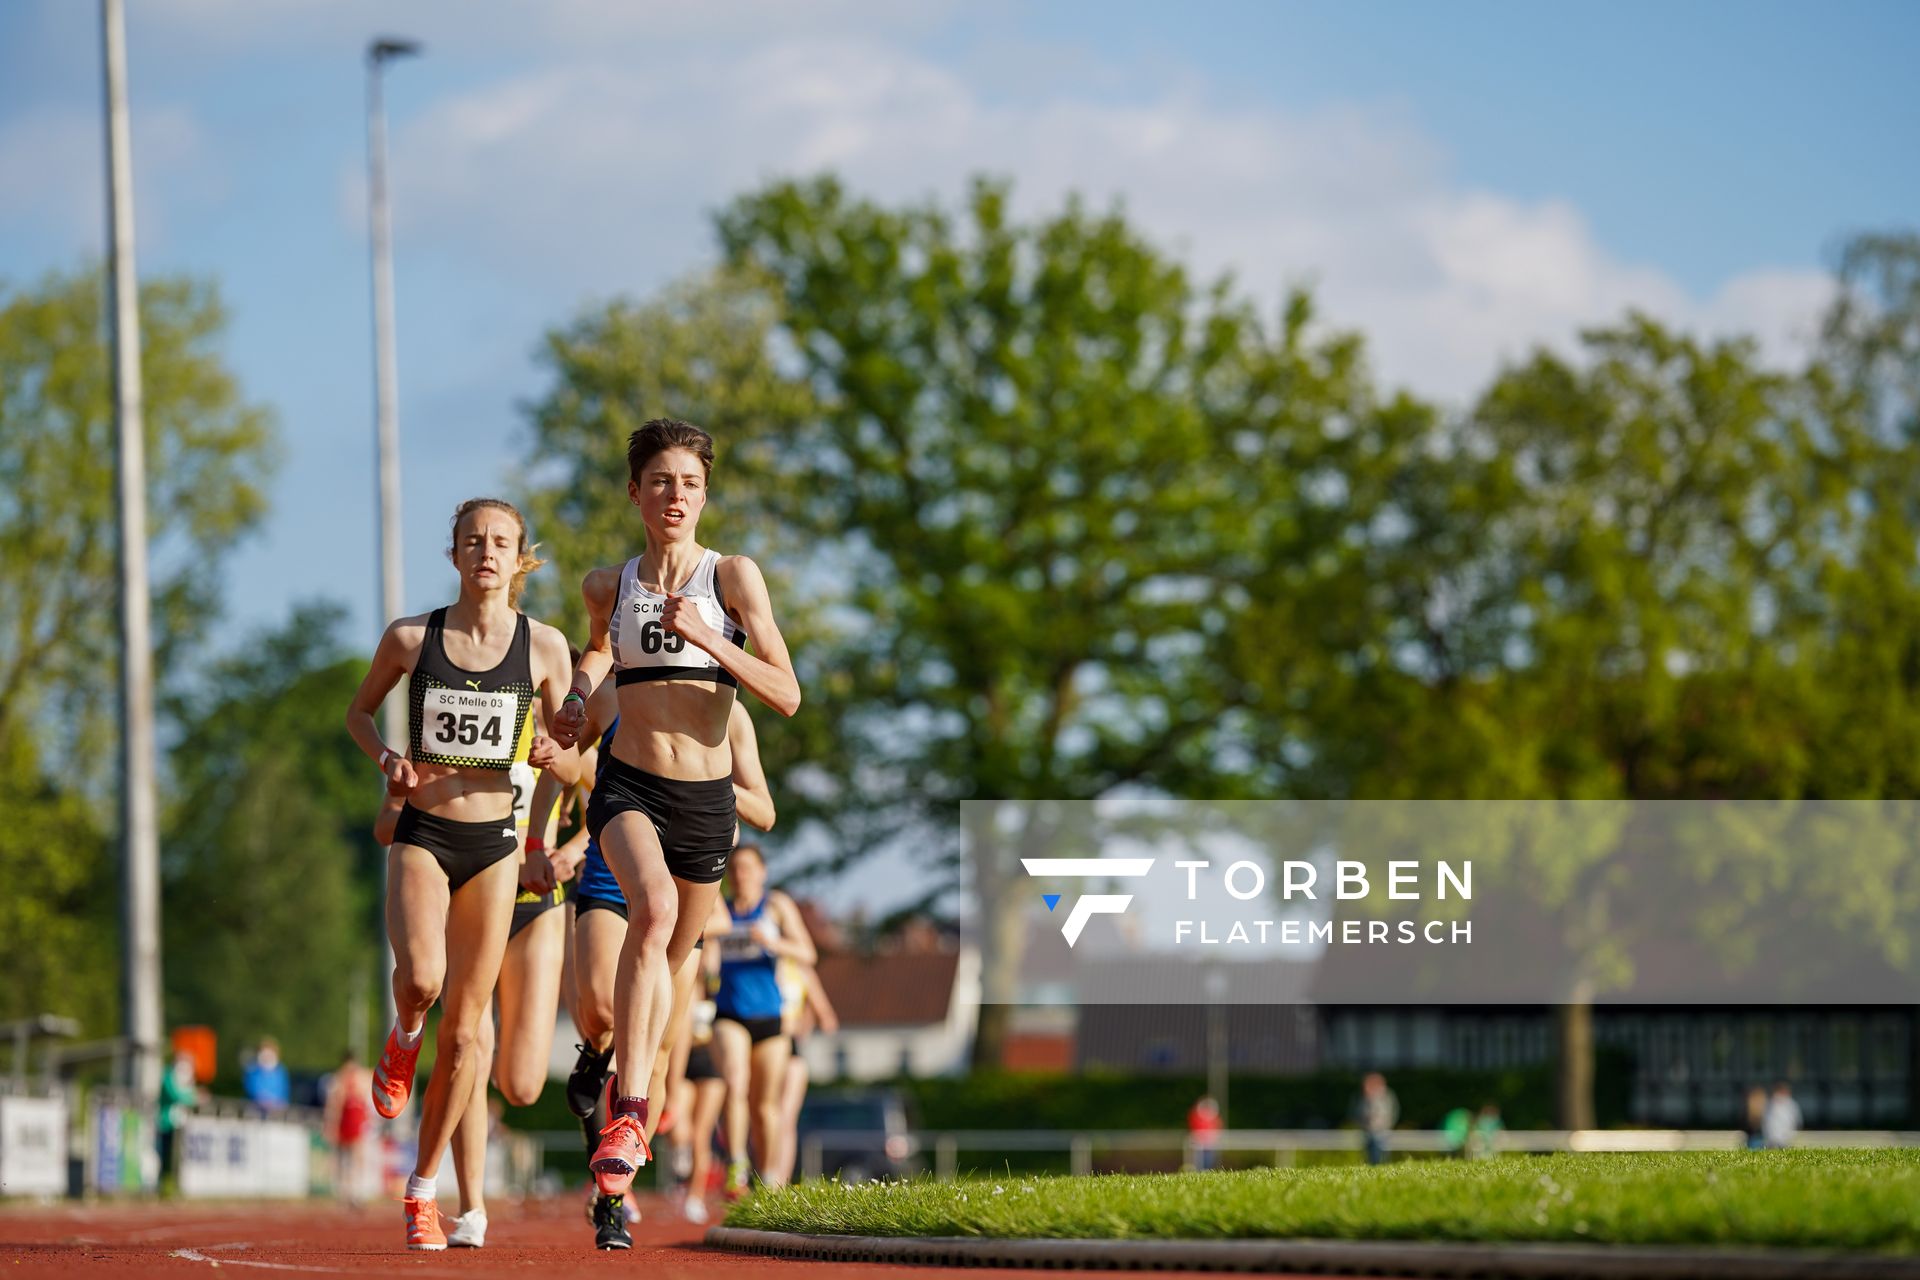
(386, 412)
(139, 834)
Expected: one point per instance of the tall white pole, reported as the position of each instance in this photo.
(139, 837)
(386, 413)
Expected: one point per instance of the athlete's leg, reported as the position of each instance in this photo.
(678, 1023)
(679, 1088)
(469, 1148)
(417, 901)
(793, 1095)
(477, 921)
(569, 992)
(643, 983)
(529, 998)
(598, 938)
(733, 1054)
(708, 1097)
(764, 1086)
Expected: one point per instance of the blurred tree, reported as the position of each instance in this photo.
(270, 876)
(60, 900)
(209, 454)
(1612, 580)
(1045, 470)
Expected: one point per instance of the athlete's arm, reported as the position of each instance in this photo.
(399, 649)
(596, 659)
(794, 942)
(750, 794)
(823, 1013)
(568, 857)
(769, 678)
(550, 667)
(575, 765)
(388, 818)
(719, 922)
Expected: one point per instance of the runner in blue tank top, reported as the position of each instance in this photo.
(750, 1044)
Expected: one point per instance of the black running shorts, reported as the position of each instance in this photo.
(700, 1064)
(694, 820)
(530, 906)
(463, 849)
(758, 1029)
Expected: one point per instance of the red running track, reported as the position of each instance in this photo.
(534, 1239)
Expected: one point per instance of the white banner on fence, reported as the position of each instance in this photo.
(221, 1156)
(33, 1146)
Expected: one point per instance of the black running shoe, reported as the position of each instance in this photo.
(610, 1223)
(590, 1072)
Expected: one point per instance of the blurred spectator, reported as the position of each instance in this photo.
(1484, 1142)
(1782, 1120)
(178, 1095)
(1455, 1130)
(1203, 1129)
(1378, 1112)
(350, 1127)
(264, 1080)
(1755, 1122)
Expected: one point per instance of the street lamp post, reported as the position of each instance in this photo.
(139, 832)
(386, 416)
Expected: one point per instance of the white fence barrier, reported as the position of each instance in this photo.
(33, 1146)
(244, 1157)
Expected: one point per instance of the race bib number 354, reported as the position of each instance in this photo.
(461, 722)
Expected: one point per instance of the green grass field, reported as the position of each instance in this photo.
(1862, 1200)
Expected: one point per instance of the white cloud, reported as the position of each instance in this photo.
(597, 175)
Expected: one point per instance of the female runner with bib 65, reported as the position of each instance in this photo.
(672, 622)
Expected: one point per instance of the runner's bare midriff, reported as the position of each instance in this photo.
(676, 729)
(463, 794)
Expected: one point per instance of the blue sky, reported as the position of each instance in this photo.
(1461, 181)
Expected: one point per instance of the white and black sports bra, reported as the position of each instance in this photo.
(645, 650)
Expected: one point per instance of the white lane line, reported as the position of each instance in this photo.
(194, 1255)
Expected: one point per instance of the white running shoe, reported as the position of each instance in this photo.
(696, 1210)
(469, 1230)
(633, 1210)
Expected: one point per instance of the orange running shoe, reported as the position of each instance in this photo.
(393, 1078)
(423, 1225)
(622, 1150)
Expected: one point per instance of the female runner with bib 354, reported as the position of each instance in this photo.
(476, 666)
(672, 623)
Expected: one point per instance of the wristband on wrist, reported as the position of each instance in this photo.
(574, 695)
(536, 844)
(386, 753)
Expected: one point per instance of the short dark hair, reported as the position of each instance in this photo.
(752, 848)
(656, 437)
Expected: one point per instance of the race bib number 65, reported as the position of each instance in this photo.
(461, 722)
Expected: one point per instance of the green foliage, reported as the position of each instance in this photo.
(1854, 1200)
(61, 901)
(270, 873)
(1048, 458)
(703, 351)
(208, 454)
